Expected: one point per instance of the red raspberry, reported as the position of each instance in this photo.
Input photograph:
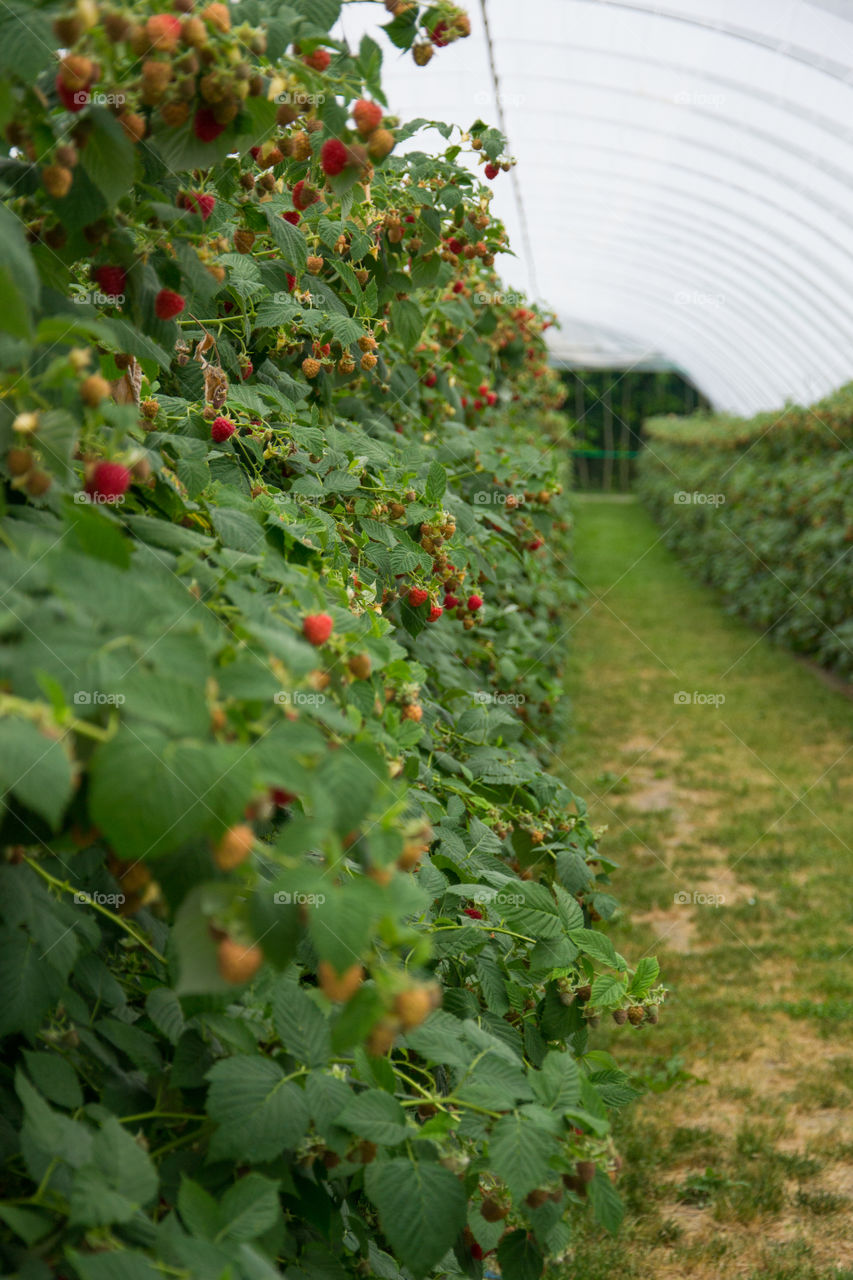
(317, 627)
(435, 613)
(478, 404)
(458, 286)
(168, 304)
(72, 99)
(292, 216)
(205, 125)
(451, 601)
(417, 596)
(410, 217)
(473, 913)
(483, 389)
(475, 603)
(476, 1249)
(110, 280)
(438, 36)
(492, 170)
(202, 204)
(246, 370)
(319, 59)
(291, 281)
(455, 246)
(464, 402)
(280, 797)
(430, 380)
(221, 429)
(333, 157)
(303, 195)
(108, 482)
(367, 117)
(491, 398)
(535, 544)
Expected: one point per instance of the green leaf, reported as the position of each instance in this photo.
(557, 1083)
(519, 1257)
(377, 1116)
(300, 1025)
(606, 1203)
(249, 1208)
(198, 1209)
(164, 1009)
(108, 156)
(436, 483)
(422, 1208)
(519, 1153)
(55, 1077)
(407, 322)
(258, 1113)
(28, 985)
(118, 1264)
(35, 769)
(608, 991)
(27, 1224)
(598, 946)
(645, 976)
(291, 242)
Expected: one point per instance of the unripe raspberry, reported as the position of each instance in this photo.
(367, 116)
(238, 963)
(57, 180)
(314, 264)
(94, 389)
(311, 367)
(234, 847)
(368, 361)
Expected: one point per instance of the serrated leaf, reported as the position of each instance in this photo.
(645, 976)
(598, 946)
(519, 1257)
(436, 483)
(377, 1116)
(249, 1208)
(164, 1009)
(300, 1025)
(606, 1202)
(422, 1208)
(519, 1153)
(258, 1113)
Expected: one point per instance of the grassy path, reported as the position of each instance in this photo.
(733, 825)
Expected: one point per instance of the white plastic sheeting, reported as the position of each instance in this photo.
(684, 177)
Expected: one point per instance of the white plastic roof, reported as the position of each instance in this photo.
(684, 177)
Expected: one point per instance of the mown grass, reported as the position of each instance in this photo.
(738, 1166)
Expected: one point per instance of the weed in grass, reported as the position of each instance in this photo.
(821, 1203)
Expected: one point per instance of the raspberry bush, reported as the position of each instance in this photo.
(298, 965)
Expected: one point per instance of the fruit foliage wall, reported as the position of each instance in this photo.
(298, 965)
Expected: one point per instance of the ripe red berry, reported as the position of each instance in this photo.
(291, 281)
(483, 389)
(435, 613)
(168, 304)
(72, 99)
(491, 398)
(451, 601)
(492, 170)
(430, 379)
(475, 603)
(535, 544)
(473, 913)
(417, 596)
(303, 195)
(205, 125)
(280, 797)
(476, 1249)
(458, 286)
(478, 404)
(110, 280)
(202, 204)
(246, 370)
(317, 627)
(367, 117)
(108, 482)
(292, 216)
(221, 429)
(333, 157)
(455, 246)
(438, 36)
(319, 59)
